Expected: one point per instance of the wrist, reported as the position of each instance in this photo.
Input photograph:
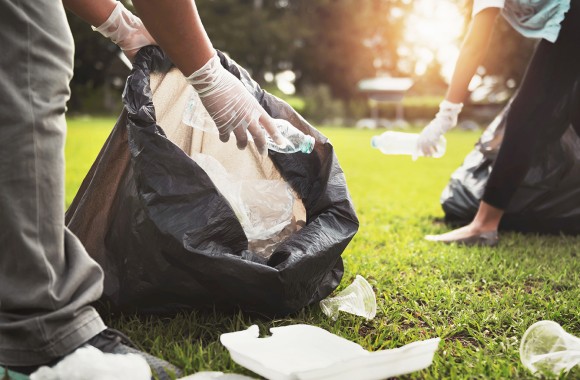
(448, 114)
(125, 29)
(109, 27)
(207, 77)
(451, 106)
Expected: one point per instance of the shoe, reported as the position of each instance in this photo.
(112, 341)
(115, 342)
(482, 239)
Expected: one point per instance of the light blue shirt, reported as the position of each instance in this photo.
(531, 18)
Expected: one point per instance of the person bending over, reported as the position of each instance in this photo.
(550, 75)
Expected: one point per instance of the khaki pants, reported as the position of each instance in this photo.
(47, 279)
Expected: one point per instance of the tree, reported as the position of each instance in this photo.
(259, 35)
(347, 40)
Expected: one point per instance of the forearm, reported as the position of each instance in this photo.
(177, 28)
(94, 12)
(472, 53)
(465, 69)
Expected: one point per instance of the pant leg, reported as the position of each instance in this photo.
(46, 277)
(549, 78)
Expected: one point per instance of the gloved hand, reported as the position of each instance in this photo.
(126, 30)
(232, 107)
(445, 119)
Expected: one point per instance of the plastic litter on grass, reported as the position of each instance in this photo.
(358, 298)
(547, 350)
(304, 352)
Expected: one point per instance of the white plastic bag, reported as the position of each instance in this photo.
(263, 207)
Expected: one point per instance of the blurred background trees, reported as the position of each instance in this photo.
(314, 52)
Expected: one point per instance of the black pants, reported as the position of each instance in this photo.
(550, 76)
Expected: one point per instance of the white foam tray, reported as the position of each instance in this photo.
(304, 352)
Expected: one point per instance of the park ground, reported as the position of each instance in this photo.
(479, 301)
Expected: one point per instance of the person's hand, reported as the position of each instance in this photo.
(126, 30)
(445, 119)
(232, 107)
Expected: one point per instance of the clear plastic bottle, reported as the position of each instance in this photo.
(197, 117)
(295, 140)
(392, 142)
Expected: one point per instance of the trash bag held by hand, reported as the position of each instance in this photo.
(165, 234)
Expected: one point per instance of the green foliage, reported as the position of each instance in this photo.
(98, 73)
(259, 35)
(320, 106)
(478, 300)
(346, 39)
(330, 43)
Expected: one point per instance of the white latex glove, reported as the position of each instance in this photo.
(445, 119)
(126, 30)
(232, 107)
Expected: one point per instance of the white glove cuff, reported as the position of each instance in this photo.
(207, 79)
(448, 113)
(125, 29)
(446, 104)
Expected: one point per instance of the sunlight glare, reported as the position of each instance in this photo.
(434, 26)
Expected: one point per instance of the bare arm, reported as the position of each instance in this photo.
(91, 11)
(473, 51)
(176, 26)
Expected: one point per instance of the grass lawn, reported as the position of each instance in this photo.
(478, 300)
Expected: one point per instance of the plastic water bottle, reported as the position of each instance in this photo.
(392, 142)
(294, 139)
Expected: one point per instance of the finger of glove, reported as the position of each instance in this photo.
(270, 126)
(259, 135)
(225, 136)
(241, 134)
(428, 148)
(423, 145)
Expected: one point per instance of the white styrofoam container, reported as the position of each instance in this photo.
(304, 352)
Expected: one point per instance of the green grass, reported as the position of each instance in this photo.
(478, 300)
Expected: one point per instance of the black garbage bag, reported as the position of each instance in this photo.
(166, 237)
(548, 200)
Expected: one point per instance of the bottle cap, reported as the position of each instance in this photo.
(308, 145)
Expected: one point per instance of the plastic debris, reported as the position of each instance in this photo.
(294, 139)
(404, 143)
(263, 207)
(196, 116)
(546, 349)
(358, 298)
(89, 363)
(303, 352)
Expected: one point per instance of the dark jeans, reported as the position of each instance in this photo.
(550, 76)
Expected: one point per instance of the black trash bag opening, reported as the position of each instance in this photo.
(548, 200)
(168, 240)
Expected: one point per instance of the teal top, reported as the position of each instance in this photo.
(531, 18)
